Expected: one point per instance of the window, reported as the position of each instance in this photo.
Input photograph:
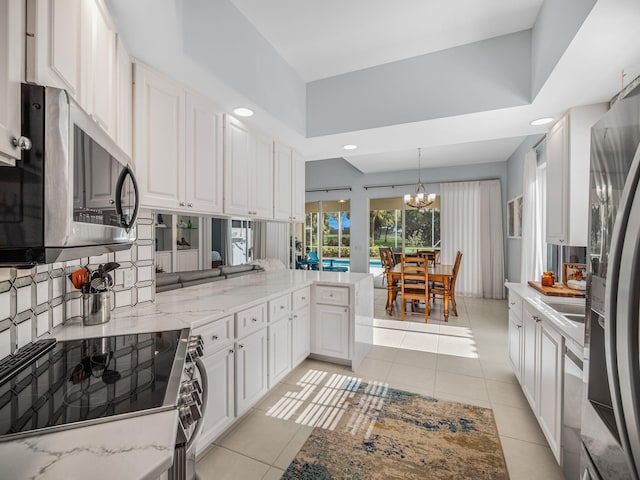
(327, 233)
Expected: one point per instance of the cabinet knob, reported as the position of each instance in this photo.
(214, 337)
(232, 351)
(536, 318)
(519, 326)
(561, 241)
(189, 204)
(281, 307)
(240, 346)
(182, 204)
(303, 298)
(346, 310)
(295, 316)
(22, 143)
(111, 202)
(254, 319)
(512, 303)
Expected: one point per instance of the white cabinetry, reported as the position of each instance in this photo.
(251, 370)
(515, 333)
(178, 145)
(124, 99)
(187, 260)
(289, 182)
(164, 262)
(331, 322)
(530, 343)
(11, 75)
(99, 66)
(219, 362)
(568, 160)
(550, 387)
(301, 326)
(248, 171)
(54, 44)
(279, 350)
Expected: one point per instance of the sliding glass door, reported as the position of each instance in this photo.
(327, 234)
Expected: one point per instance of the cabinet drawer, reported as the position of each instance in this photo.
(279, 308)
(332, 295)
(216, 335)
(301, 298)
(515, 304)
(251, 319)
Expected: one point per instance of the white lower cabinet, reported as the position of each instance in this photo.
(300, 335)
(187, 260)
(220, 408)
(251, 370)
(514, 345)
(550, 387)
(331, 331)
(164, 262)
(279, 350)
(538, 348)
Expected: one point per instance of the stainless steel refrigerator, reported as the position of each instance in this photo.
(611, 410)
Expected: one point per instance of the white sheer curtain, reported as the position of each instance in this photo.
(533, 249)
(471, 221)
(277, 241)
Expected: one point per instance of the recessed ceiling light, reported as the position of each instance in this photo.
(542, 121)
(350, 147)
(243, 111)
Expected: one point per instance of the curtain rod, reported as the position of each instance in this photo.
(328, 189)
(393, 185)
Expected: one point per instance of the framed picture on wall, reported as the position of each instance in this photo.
(514, 217)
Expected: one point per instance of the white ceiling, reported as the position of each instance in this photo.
(330, 37)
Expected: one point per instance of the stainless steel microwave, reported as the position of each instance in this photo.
(73, 194)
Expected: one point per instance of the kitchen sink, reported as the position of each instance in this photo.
(567, 308)
(574, 317)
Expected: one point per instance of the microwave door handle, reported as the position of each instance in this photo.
(621, 344)
(126, 171)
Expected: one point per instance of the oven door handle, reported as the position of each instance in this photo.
(205, 388)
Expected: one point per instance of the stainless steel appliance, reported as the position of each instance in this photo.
(73, 194)
(48, 386)
(611, 411)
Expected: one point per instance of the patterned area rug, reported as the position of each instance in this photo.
(382, 433)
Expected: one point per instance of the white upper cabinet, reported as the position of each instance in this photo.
(237, 153)
(289, 181)
(248, 172)
(124, 99)
(203, 155)
(53, 44)
(298, 186)
(568, 160)
(100, 67)
(261, 193)
(159, 144)
(11, 72)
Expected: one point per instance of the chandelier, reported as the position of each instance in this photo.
(420, 199)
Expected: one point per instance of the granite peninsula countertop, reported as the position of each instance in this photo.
(142, 447)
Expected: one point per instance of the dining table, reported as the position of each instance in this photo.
(437, 273)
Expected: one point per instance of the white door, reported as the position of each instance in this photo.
(11, 72)
(550, 387)
(187, 260)
(124, 99)
(237, 167)
(557, 185)
(261, 192)
(331, 331)
(300, 335)
(298, 186)
(101, 70)
(515, 345)
(159, 147)
(251, 371)
(279, 350)
(529, 356)
(220, 408)
(54, 44)
(163, 261)
(203, 155)
(282, 178)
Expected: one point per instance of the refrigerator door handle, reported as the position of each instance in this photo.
(621, 326)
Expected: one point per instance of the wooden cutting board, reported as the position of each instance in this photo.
(558, 290)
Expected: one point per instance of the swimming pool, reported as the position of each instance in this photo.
(345, 262)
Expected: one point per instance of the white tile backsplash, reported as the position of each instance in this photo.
(58, 287)
(5, 343)
(42, 292)
(23, 301)
(145, 252)
(42, 325)
(58, 315)
(145, 273)
(5, 305)
(123, 298)
(23, 332)
(145, 294)
(145, 232)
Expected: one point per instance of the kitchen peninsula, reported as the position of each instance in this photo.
(326, 314)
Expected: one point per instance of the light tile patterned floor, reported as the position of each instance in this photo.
(463, 360)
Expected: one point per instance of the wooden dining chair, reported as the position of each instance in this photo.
(414, 284)
(388, 263)
(437, 288)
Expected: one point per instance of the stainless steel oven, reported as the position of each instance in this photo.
(73, 193)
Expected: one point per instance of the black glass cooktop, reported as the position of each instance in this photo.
(91, 379)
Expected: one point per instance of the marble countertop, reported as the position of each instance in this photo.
(574, 331)
(142, 447)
